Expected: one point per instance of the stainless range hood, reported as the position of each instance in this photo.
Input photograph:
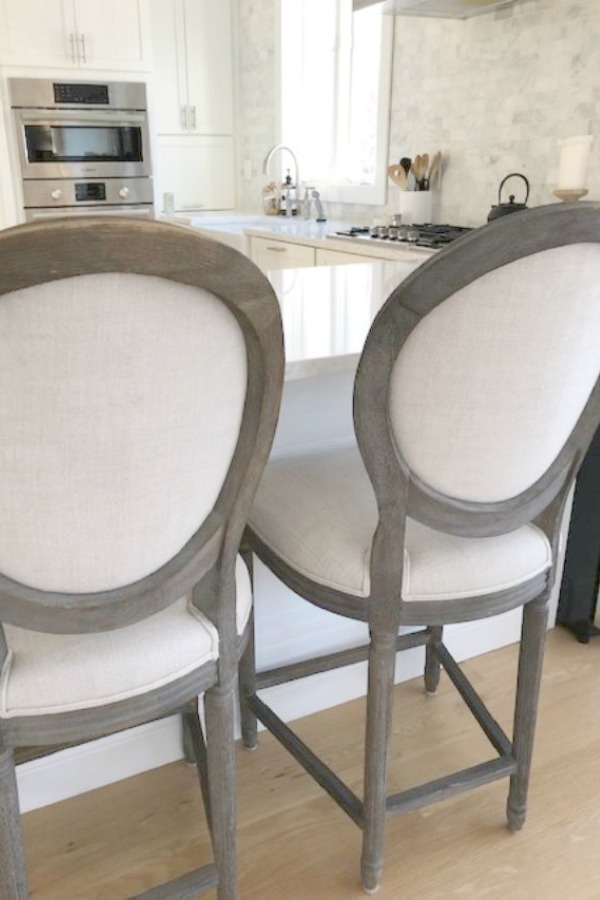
(446, 9)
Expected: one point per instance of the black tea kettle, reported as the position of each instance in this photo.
(503, 208)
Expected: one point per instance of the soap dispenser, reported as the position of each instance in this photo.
(286, 207)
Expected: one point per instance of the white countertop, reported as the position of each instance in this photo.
(294, 230)
(240, 223)
(327, 312)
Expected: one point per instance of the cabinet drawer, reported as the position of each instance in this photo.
(336, 258)
(274, 254)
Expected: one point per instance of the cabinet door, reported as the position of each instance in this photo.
(170, 78)
(197, 170)
(113, 34)
(38, 33)
(209, 65)
(273, 254)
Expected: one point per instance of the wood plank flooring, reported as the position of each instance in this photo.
(294, 842)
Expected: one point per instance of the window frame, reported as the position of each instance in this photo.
(369, 194)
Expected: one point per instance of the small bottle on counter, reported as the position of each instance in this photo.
(168, 203)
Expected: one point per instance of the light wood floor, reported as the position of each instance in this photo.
(294, 842)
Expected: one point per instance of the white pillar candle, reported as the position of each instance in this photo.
(574, 160)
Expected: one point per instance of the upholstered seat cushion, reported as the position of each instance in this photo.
(50, 673)
(318, 513)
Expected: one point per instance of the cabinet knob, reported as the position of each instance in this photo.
(56, 194)
(124, 192)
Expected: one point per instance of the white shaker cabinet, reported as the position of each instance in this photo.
(197, 170)
(192, 42)
(75, 34)
(193, 110)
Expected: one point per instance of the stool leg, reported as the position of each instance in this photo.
(247, 672)
(382, 656)
(220, 706)
(196, 747)
(531, 655)
(432, 663)
(13, 881)
(187, 737)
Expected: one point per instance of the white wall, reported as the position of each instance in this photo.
(494, 93)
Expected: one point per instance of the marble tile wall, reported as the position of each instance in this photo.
(494, 93)
(256, 95)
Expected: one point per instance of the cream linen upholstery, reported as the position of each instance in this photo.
(54, 673)
(318, 513)
(122, 398)
(482, 415)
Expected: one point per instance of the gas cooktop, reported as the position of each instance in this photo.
(434, 237)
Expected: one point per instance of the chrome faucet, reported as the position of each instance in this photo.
(267, 163)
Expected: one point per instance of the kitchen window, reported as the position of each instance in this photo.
(335, 95)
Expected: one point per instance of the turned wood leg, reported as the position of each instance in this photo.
(382, 656)
(247, 672)
(432, 663)
(531, 655)
(13, 881)
(220, 707)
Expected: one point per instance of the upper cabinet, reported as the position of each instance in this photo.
(193, 66)
(75, 34)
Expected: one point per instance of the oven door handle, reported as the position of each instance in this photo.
(79, 117)
(141, 211)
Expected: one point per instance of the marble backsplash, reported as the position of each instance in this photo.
(494, 93)
(256, 95)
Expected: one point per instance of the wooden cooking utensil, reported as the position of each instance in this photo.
(418, 170)
(398, 175)
(434, 168)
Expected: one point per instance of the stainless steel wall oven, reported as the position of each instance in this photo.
(83, 147)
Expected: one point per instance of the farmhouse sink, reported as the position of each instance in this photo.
(219, 220)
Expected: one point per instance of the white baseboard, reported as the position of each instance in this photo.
(98, 763)
(108, 760)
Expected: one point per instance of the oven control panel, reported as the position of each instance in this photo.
(75, 193)
(81, 94)
(85, 191)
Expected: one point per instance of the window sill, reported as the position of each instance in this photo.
(366, 194)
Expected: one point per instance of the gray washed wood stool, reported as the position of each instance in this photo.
(140, 376)
(475, 399)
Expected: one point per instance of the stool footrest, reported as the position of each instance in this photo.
(186, 887)
(441, 788)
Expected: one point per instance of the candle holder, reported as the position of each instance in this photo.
(569, 195)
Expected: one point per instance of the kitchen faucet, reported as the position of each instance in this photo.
(267, 163)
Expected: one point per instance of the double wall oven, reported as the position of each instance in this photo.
(83, 147)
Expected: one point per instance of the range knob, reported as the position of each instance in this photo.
(124, 192)
(56, 194)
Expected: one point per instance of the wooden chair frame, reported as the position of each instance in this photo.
(400, 493)
(38, 253)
